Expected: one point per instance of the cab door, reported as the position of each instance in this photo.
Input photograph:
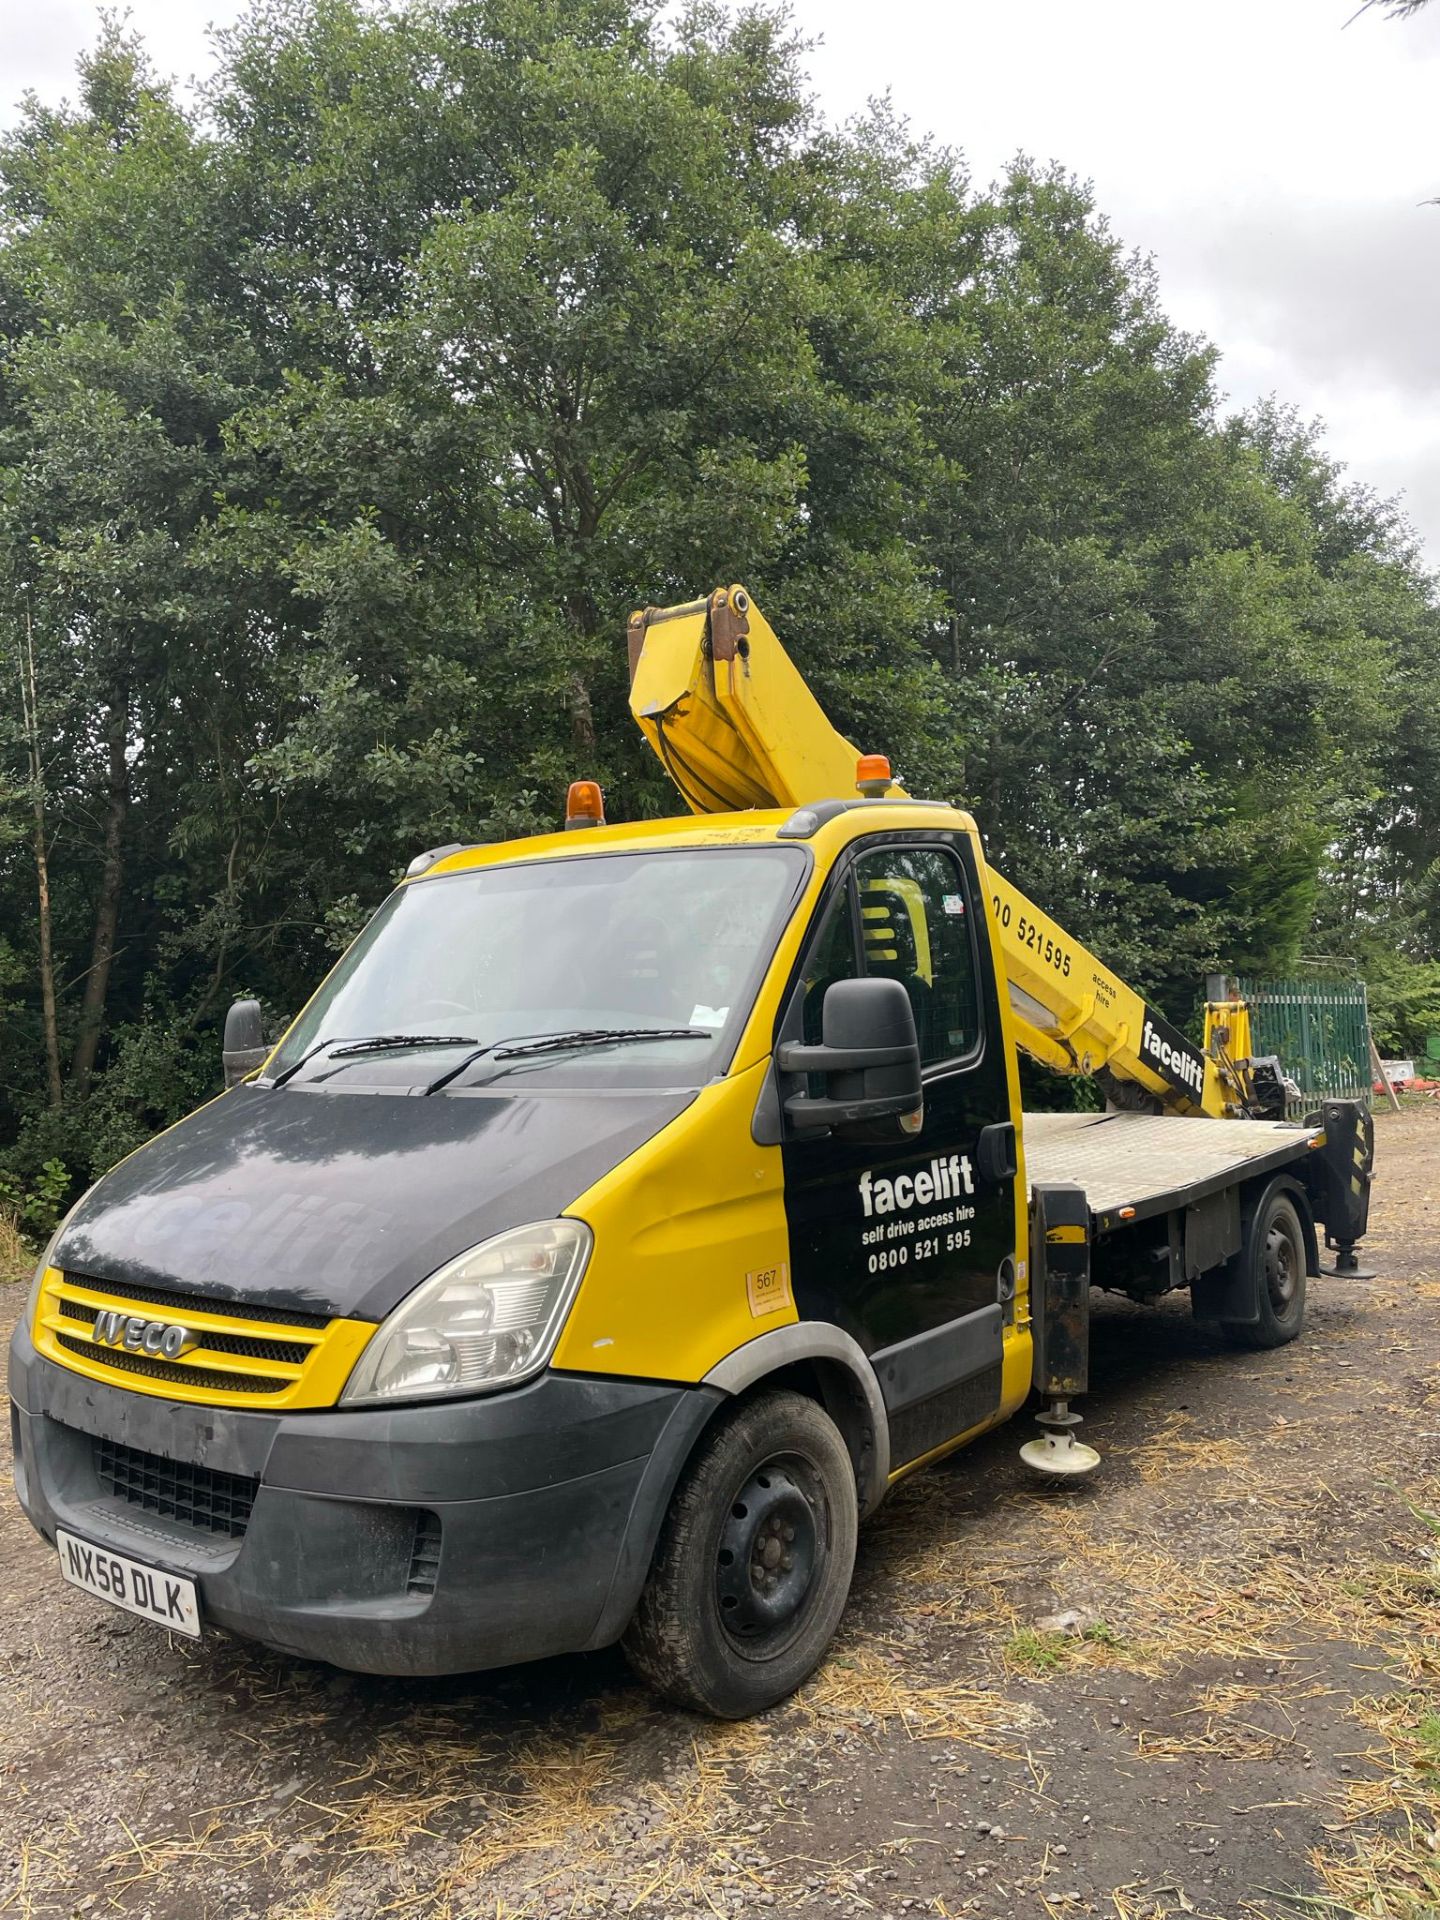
(907, 1240)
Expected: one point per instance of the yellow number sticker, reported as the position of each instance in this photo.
(768, 1290)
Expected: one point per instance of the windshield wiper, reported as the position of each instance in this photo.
(522, 1044)
(595, 1037)
(376, 1042)
(370, 1043)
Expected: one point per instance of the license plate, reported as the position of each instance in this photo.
(165, 1598)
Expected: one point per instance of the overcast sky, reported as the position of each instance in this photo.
(1269, 156)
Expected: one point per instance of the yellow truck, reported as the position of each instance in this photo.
(629, 1209)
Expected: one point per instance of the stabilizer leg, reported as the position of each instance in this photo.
(1060, 1327)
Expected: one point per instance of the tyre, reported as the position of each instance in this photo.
(1275, 1251)
(753, 1565)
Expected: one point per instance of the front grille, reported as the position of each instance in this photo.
(125, 1362)
(247, 1360)
(200, 1497)
(290, 1353)
(182, 1303)
(425, 1555)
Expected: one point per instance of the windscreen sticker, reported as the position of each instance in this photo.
(709, 1017)
(953, 903)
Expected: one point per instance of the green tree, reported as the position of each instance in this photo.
(345, 416)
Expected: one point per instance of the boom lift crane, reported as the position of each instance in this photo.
(735, 726)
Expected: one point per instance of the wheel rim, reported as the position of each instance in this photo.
(1282, 1266)
(770, 1553)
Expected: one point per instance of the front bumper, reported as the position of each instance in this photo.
(545, 1503)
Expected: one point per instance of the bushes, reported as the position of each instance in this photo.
(13, 1253)
(159, 1068)
(1404, 1004)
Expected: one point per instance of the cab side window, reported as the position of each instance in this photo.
(831, 958)
(915, 928)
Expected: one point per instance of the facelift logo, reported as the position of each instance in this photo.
(136, 1335)
(941, 1180)
(1181, 1064)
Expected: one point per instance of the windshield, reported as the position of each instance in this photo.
(596, 945)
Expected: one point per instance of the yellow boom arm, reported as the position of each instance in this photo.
(735, 726)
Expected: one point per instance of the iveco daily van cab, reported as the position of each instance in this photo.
(626, 1210)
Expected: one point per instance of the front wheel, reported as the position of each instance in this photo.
(753, 1567)
(1275, 1249)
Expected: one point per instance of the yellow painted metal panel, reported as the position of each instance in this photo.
(683, 1229)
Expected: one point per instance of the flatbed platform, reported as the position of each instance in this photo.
(1153, 1162)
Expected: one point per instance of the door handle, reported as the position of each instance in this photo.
(995, 1152)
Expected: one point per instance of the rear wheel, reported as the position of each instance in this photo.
(753, 1567)
(1275, 1250)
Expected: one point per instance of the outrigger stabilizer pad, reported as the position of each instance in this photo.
(1058, 1454)
(1346, 1265)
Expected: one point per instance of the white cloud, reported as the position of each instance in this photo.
(40, 42)
(1268, 155)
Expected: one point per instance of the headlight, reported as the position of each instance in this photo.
(485, 1320)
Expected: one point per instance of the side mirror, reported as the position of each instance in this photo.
(244, 1044)
(869, 1054)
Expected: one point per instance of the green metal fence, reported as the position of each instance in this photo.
(1319, 1028)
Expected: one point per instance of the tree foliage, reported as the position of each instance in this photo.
(346, 412)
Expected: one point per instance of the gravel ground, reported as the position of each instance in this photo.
(1237, 1722)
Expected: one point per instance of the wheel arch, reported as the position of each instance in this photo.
(818, 1359)
(1254, 1197)
(1225, 1292)
(827, 1364)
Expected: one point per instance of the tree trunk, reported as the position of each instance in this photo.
(107, 905)
(30, 711)
(582, 715)
(585, 619)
